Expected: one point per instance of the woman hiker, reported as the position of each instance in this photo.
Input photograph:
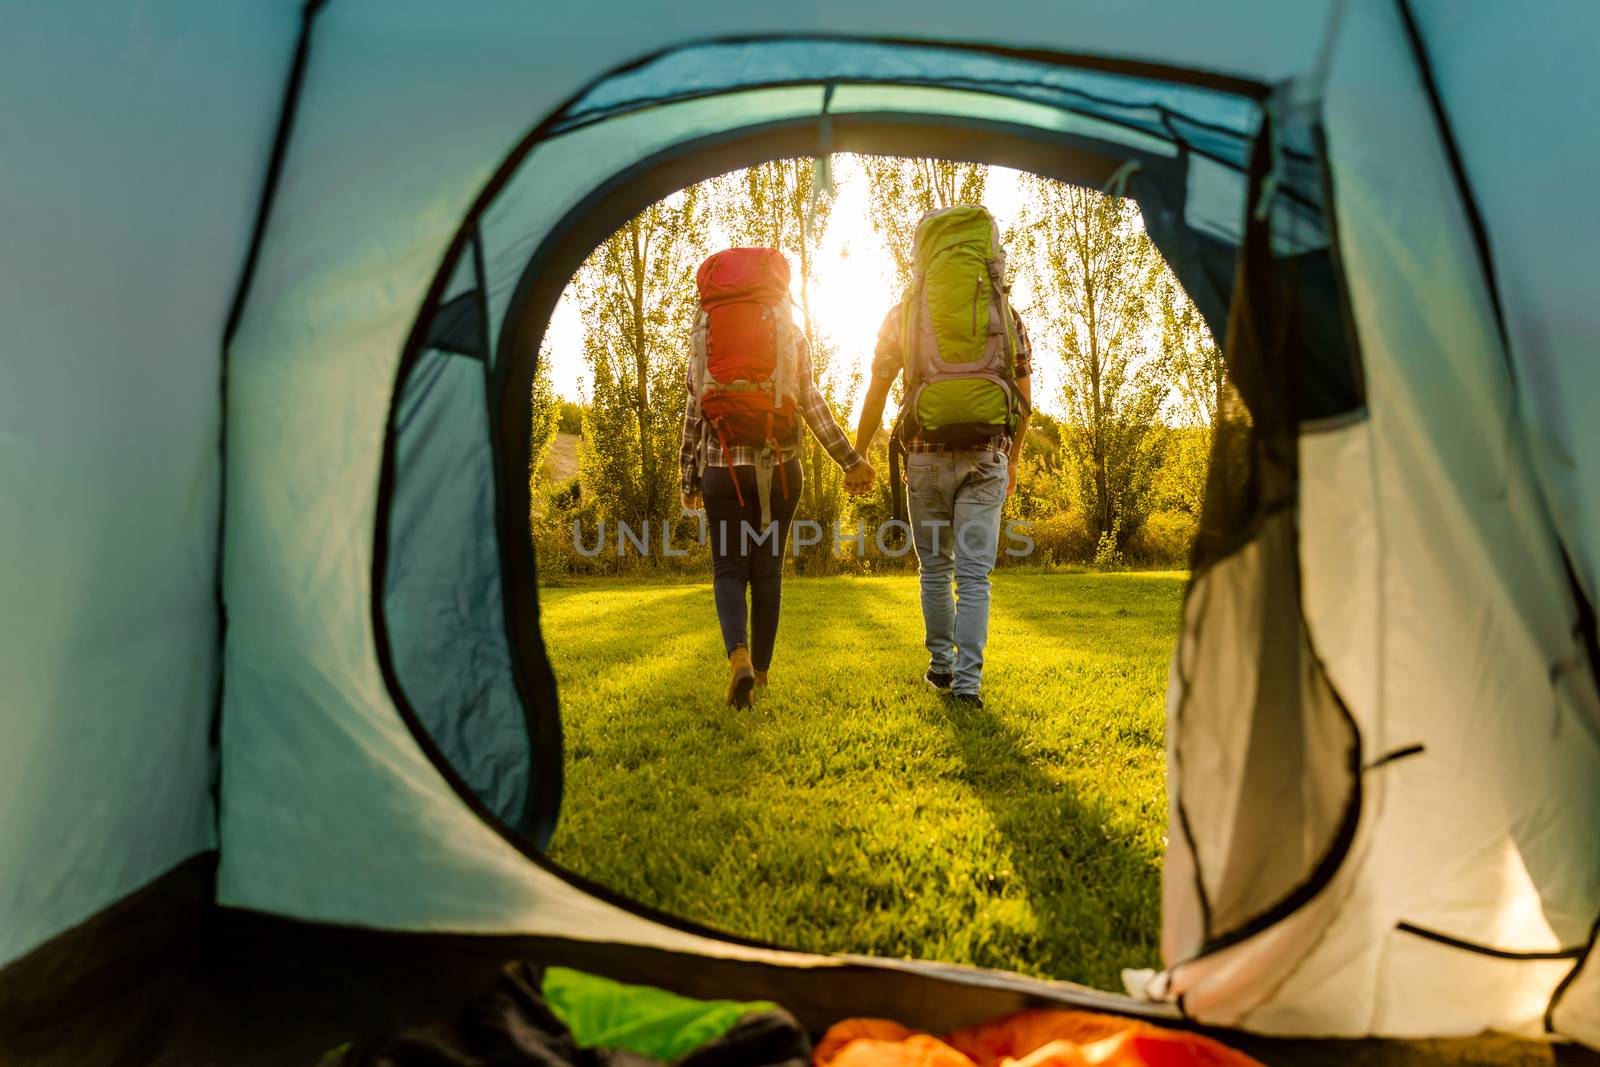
(750, 392)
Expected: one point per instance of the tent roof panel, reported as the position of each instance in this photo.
(1531, 150)
(1140, 102)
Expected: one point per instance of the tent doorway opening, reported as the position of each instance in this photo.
(538, 696)
(852, 808)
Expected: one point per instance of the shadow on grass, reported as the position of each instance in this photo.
(1090, 885)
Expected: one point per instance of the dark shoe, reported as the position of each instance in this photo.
(940, 680)
(741, 677)
(973, 700)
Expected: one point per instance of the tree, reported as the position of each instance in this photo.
(778, 205)
(570, 418)
(901, 191)
(637, 299)
(772, 206)
(1192, 363)
(1091, 271)
(546, 410)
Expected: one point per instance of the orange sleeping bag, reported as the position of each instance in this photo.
(1026, 1039)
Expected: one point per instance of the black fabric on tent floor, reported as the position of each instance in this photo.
(167, 978)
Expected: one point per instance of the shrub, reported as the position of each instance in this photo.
(566, 496)
(1042, 489)
(569, 418)
(558, 553)
(1107, 556)
(1163, 541)
(1061, 538)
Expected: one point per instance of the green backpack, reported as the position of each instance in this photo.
(956, 331)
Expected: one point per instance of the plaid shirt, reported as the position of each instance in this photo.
(888, 361)
(813, 408)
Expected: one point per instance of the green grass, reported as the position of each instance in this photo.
(854, 810)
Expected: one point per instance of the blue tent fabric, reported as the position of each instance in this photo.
(1217, 123)
(134, 140)
(1426, 192)
(442, 597)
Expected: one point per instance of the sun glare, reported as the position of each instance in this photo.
(850, 294)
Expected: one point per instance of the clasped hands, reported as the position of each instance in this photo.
(860, 479)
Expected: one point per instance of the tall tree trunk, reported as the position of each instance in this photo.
(642, 369)
(812, 448)
(1219, 372)
(1096, 392)
(805, 257)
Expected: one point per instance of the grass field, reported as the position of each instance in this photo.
(854, 810)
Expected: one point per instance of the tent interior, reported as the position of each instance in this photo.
(283, 742)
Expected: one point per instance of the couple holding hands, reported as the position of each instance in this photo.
(966, 362)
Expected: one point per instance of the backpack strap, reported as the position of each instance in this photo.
(777, 452)
(701, 447)
(786, 354)
(697, 384)
(897, 451)
(910, 305)
(733, 473)
(764, 465)
(698, 355)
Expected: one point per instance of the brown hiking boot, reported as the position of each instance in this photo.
(761, 679)
(741, 677)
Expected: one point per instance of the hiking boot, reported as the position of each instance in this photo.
(940, 680)
(761, 679)
(972, 700)
(741, 677)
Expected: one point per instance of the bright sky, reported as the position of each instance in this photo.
(853, 286)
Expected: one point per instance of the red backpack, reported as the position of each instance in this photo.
(745, 359)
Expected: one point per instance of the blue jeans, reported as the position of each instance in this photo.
(955, 500)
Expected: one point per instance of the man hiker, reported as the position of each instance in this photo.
(967, 361)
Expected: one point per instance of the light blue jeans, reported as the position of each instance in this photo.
(955, 500)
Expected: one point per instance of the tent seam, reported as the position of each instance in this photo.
(1451, 941)
(269, 189)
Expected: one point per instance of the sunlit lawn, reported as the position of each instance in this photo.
(853, 809)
